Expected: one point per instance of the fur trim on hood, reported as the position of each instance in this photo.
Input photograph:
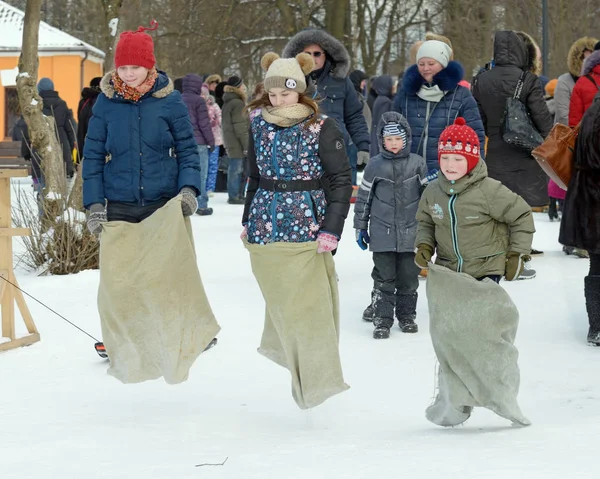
(108, 89)
(447, 79)
(337, 53)
(575, 56)
(534, 60)
(590, 63)
(235, 91)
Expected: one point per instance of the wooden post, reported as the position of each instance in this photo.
(9, 294)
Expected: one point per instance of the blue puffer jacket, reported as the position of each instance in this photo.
(457, 101)
(139, 152)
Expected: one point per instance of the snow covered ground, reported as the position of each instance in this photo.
(61, 416)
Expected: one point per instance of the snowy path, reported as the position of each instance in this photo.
(61, 416)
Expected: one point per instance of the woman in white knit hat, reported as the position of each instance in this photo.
(297, 200)
(431, 98)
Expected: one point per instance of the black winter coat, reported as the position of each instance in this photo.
(580, 226)
(57, 107)
(383, 86)
(513, 167)
(84, 113)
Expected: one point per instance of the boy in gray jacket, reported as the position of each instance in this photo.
(384, 219)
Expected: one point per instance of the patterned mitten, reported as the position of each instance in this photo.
(96, 219)
(189, 203)
(327, 242)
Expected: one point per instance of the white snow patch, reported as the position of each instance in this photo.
(52, 195)
(34, 101)
(56, 399)
(49, 148)
(23, 75)
(113, 24)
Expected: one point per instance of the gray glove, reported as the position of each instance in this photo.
(189, 203)
(96, 218)
(362, 158)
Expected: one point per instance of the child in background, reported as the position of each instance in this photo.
(386, 207)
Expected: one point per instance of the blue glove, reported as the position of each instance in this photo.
(362, 238)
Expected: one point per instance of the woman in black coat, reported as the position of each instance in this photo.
(514, 53)
(580, 226)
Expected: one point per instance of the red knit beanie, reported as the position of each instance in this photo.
(136, 48)
(461, 139)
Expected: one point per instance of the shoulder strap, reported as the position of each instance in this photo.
(591, 78)
(519, 87)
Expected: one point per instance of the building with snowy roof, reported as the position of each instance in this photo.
(68, 61)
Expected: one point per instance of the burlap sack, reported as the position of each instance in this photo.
(301, 331)
(156, 319)
(473, 325)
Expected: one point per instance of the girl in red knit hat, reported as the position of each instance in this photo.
(480, 231)
(139, 155)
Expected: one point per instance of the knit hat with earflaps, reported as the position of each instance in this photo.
(461, 140)
(136, 48)
(286, 73)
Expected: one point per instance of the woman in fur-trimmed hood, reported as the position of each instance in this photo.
(579, 51)
(142, 126)
(335, 89)
(513, 167)
(431, 99)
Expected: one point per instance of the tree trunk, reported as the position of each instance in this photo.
(42, 132)
(335, 18)
(111, 30)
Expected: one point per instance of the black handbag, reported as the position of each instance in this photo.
(517, 129)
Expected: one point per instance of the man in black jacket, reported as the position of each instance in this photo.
(334, 88)
(84, 111)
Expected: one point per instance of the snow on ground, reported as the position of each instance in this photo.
(61, 416)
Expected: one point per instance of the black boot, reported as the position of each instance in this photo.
(406, 312)
(552, 211)
(383, 317)
(592, 304)
(369, 312)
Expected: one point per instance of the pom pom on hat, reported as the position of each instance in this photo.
(462, 140)
(287, 73)
(136, 48)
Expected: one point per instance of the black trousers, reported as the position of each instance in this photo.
(395, 273)
(131, 213)
(594, 264)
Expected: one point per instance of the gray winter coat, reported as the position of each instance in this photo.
(389, 194)
(334, 88)
(562, 98)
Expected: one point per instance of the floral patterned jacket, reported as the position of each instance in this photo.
(300, 152)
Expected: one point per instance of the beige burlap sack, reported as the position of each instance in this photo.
(156, 319)
(473, 325)
(301, 331)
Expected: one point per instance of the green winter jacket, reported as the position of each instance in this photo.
(473, 222)
(235, 123)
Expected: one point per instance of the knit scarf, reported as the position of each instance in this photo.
(131, 93)
(286, 116)
(430, 93)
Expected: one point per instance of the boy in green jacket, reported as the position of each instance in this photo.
(474, 223)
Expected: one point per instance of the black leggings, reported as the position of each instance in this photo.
(594, 264)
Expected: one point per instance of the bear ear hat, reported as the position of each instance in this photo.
(306, 62)
(268, 59)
